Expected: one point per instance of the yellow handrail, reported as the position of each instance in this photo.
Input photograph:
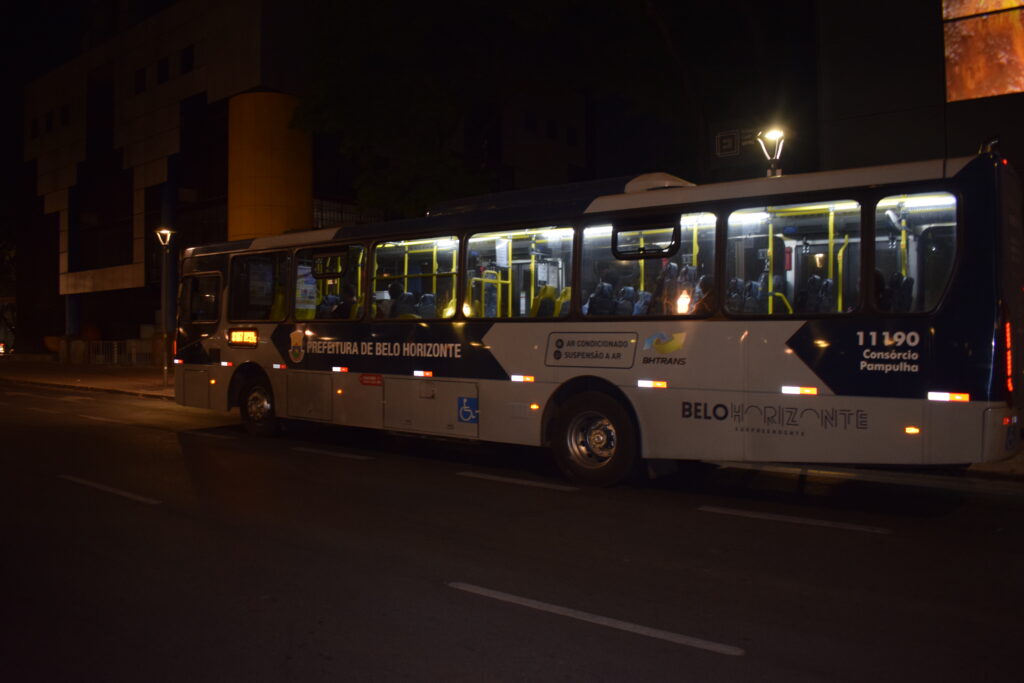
(839, 284)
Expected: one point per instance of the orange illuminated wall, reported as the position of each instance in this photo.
(984, 48)
(270, 167)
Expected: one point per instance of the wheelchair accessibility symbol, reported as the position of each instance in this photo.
(468, 411)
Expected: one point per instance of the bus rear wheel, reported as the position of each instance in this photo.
(256, 403)
(595, 440)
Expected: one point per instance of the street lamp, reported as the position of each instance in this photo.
(772, 140)
(167, 323)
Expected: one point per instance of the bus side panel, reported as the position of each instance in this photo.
(505, 412)
(309, 395)
(358, 400)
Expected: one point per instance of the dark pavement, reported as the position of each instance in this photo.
(145, 541)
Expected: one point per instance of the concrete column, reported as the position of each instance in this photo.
(270, 167)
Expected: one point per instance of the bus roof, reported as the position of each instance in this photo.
(597, 196)
(785, 184)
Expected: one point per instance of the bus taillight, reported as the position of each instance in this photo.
(1009, 357)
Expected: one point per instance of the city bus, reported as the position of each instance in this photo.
(855, 317)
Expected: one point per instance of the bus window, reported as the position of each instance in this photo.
(415, 278)
(519, 273)
(657, 274)
(199, 299)
(915, 245)
(329, 283)
(258, 285)
(796, 259)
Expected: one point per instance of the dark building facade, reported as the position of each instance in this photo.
(180, 115)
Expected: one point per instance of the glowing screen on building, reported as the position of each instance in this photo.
(984, 48)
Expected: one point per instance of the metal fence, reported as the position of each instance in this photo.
(128, 352)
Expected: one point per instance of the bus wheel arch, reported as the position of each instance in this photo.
(251, 391)
(593, 432)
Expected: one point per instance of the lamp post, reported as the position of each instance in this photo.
(771, 144)
(164, 235)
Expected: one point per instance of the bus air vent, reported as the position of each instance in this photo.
(655, 181)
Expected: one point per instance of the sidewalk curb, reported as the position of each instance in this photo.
(85, 387)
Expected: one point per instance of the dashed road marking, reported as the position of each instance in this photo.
(791, 519)
(519, 482)
(678, 638)
(333, 454)
(42, 410)
(110, 489)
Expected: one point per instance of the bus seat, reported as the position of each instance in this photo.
(404, 305)
(734, 295)
(883, 295)
(704, 295)
(827, 296)
(643, 303)
(563, 302)
(544, 303)
(903, 298)
(626, 301)
(752, 298)
(807, 299)
(601, 301)
(427, 308)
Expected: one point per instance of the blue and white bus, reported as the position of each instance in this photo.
(864, 316)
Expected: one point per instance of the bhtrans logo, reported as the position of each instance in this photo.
(664, 346)
(297, 350)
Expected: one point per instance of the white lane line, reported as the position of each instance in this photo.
(41, 410)
(333, 454)
(22, 393)
(678, 638)
(104, 419)
(794, 520)
(520, 482)
(111, 489)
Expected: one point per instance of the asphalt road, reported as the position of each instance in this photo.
(143, 541)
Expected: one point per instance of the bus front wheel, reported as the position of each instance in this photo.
(257, 407)
(595, 440)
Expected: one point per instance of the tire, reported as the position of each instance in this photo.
(594, 440)
(256, 404)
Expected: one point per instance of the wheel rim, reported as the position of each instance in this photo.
(257, 405)
(591, 440)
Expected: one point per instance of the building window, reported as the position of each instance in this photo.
(140, 80)
(65, 114)
(163, 70)
(187, 59)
